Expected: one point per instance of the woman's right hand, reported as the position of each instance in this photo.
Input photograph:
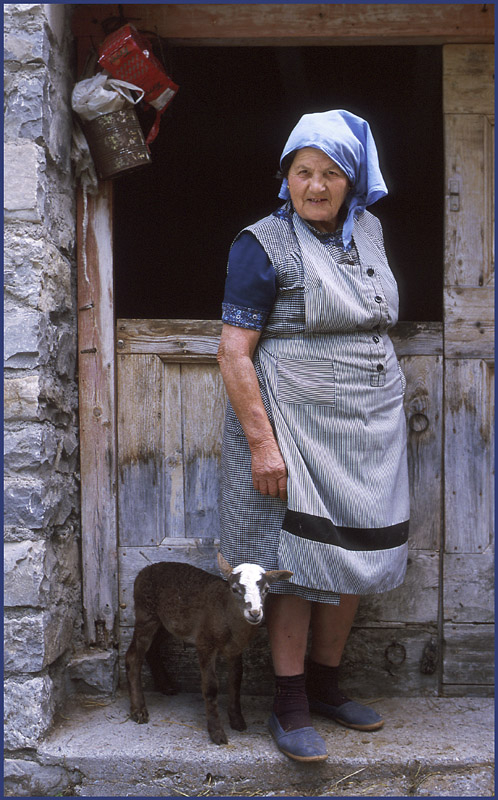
(269, 473)
(235, 355)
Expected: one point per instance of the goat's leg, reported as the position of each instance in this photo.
(207, 662)
(142, 637)
(237, 721)
(162, 680)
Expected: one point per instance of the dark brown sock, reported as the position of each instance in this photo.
(322, 684)
(290, 703)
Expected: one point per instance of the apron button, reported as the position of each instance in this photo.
(380, 367)
(378, 298)
(370, 271)
(376, 339)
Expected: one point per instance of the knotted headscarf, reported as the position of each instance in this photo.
(347, 140)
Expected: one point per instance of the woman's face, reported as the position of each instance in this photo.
(318, 188)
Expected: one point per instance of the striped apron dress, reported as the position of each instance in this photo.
(333, 390)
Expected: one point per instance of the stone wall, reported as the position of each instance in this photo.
(42, 561)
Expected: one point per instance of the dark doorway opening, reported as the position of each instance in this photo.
(217, 153)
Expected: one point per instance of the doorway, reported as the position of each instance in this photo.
(217, 153)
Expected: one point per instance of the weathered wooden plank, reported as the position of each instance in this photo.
(468, 455)
(171, 339)
(468, 690)
(380, 662)
(416, 601)
(198, 552)
(417, 338)
(423, 408)
(384, 662)
(469, 322)
(469, 223)
(468, 75)
(141, 457)
(174, 470)
(282, 23)
(468, 654)
(97, 415)
(469, 587)
(203, 412)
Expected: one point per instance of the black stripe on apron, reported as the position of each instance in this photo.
(319, 529)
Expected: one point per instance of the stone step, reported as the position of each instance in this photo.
(429, 746)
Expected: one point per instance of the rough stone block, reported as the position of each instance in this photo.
(25, 583)
(24, 46)
(55, 289)
(59, 212)
(27, 337)
(23, 160)
(28, 710)
(34, 446)
(59, 400)
(29, 779)
(94, 672)
(21, 398)
(24, 504)
(35, 503)
(65, 362)
(24, 647)
(25, 111)
(36, 273)
(34, 641)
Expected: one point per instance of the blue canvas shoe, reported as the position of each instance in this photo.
(303, 744)
(351, 714)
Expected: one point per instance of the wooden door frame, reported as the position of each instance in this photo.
(195, 24)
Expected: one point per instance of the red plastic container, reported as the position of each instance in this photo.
(127, 54)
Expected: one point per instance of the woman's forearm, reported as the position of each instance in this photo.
(269, 473)
(241, 383)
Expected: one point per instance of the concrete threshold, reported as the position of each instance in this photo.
(428, 746)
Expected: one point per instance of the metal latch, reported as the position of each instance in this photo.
(454, 195)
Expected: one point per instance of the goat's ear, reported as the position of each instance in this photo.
(226, 569)
(278, 575)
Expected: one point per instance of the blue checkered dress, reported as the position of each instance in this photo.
(333, 390)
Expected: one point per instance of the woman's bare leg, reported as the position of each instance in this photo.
(288, 621)
(330, 627)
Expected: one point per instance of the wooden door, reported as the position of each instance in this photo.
(171, 402)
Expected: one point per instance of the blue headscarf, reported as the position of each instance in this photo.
(347, 140)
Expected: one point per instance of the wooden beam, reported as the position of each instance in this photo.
(296, 24)
(468, 76)
(97, 416)
(197, 340)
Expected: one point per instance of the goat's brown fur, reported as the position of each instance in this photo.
(198, 608)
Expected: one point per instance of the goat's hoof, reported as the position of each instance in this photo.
(218, 736)
(237, 722)
(141, 716)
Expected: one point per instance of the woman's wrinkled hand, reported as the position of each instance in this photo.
(269, 473)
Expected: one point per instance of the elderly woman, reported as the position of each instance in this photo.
(314, 450)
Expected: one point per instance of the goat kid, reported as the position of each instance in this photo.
(215, 615)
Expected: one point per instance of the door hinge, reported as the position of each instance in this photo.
(454, 195)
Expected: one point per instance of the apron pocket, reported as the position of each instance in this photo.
(306, 382)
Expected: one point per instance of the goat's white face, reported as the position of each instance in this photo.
(249, 583)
